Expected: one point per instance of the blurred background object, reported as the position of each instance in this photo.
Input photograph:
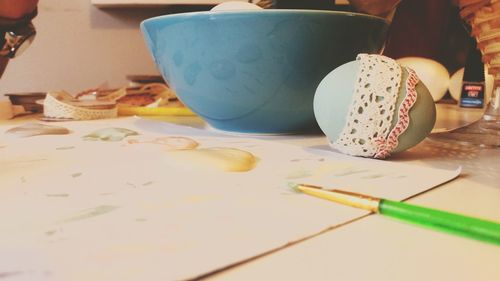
(80, 45)
(481, 17)
(16, 30)
(455, 87)
(429, 29)
(381, 8)
(433, 74)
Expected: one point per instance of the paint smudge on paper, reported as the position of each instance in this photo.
(195, 199)
(217, 158)
(65, 148)
(27, 161)
(106, 193)
(110, 134)
(350, 172)
(75, 175)
(131, 184)
(35, 129)
(94, 212)
(9, 274)
(186, 151)
(57, 195)
(140, 220)
(20, 163)
(307, 159)
(147, 183)
(291, 188)
(298, 174)
(171, 143)
(373, 176)
(336, 168)
(50, 232)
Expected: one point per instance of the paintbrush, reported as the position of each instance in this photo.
(475, 228)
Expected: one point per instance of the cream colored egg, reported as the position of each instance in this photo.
(433, 74)
(455, 86)
(223, 159)
(235, 6)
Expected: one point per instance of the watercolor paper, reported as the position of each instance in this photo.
(131, 210)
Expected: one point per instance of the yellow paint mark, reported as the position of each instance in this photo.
(170, 143)
(217, 158)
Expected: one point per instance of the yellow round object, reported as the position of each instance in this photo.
(433, 74)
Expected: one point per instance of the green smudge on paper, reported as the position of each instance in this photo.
(110, 134)
(94, 212)
(299, 174)
(292, 188)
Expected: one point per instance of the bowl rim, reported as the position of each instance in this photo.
(265, 11)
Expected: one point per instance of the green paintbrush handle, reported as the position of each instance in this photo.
(479, 229)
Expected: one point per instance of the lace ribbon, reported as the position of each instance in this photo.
(372, 109)
(55, 107)
(385, 146)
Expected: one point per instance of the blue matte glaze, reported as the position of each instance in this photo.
(257, 71)
(333, 99)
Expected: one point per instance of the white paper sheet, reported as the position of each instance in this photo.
(90, 210)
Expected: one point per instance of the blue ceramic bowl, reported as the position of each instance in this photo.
(257, 71)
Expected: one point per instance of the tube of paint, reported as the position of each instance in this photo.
(473, 84)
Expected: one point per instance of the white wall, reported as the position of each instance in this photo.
(78, 47)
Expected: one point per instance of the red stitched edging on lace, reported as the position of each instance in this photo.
(385, 146)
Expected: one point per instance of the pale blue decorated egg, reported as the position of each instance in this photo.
(364, 110)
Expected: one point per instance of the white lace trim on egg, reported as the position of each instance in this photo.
(372, 108)
(387, 145)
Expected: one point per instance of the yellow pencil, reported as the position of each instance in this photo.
(155, 111)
